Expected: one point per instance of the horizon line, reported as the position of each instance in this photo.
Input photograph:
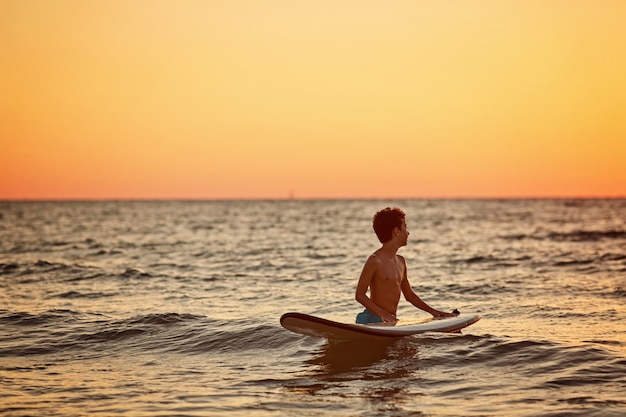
(252, 199)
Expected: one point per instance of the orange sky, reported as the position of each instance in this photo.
(322, 99)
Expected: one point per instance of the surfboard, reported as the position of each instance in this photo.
(319, 327)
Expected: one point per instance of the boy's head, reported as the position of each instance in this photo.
(385, 221)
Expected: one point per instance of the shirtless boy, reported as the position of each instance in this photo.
(385, 273)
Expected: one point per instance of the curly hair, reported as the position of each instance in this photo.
(385, 221)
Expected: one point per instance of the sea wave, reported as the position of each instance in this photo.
(63, 331)
(572, 236)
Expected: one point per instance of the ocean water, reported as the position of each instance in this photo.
(171, 309)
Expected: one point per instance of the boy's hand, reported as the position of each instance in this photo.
(442, 314)
(389, 318)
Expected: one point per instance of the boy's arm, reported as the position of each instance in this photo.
(367, 274)
(414, 299)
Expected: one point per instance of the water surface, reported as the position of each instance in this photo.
(171, 308)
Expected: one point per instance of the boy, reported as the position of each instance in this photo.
(385, 273)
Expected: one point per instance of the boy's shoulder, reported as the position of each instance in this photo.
(376, 257)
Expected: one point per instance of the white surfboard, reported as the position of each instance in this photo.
(318, 327)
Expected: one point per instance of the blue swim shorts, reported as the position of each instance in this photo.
(367, 317)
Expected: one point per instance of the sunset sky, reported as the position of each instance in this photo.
(313, 99)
